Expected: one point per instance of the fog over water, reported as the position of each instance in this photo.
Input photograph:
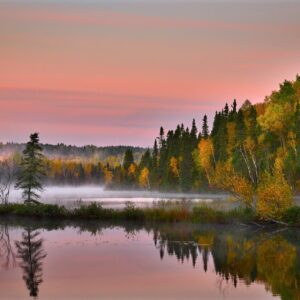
(116, 198)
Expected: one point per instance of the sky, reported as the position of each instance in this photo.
(111, 72)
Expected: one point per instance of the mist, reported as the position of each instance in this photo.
(72, 195)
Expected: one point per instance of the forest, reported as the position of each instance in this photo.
(252, 152)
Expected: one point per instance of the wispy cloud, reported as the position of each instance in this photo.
(131, 20)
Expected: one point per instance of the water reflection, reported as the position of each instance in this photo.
(272, 259)
(7, 254)
(239, 257)
(31, 254)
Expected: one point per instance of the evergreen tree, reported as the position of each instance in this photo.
(146, 160)
(161, 137)
(186, 164)
(154, 162)
(31, 253)
(155, 154)
(128, 159)
(216, 124)
(194, 131)
(32, 170)
(226, 110)
(163, 160)
(205, 132)
(233, 106)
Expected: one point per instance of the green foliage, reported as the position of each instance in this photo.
(32, 170)
(178, 212)
(292, 215)
(206, 214)
(128, 159)
(252, 140)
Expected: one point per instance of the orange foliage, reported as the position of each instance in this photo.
(144, 178)
(174, 166)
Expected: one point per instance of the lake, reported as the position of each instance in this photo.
(88, 260)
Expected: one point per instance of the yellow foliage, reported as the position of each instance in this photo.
(144, 178)
(206, 239)
(249, 144)
(279, 161)
(274, 196)
(276, 118)
(260, 108)
(88, 167)
(108, 176)
(174, 166)
(230, 137)
(227, 179)
(276, 261)
(206, 154)
(56, 167)
(113, 161)
(132, 170)
(261, 139)
(291, 141)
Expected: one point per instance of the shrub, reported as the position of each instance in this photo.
(292, 215)
(274, 197)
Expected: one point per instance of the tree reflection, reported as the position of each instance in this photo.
(31, 254)
(7, 253)
(264, 257)
(235, 255)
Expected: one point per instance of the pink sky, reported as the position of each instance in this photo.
(113, 72)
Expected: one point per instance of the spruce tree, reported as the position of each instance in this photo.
(32, 170)
(161, 137)
(194, 137)
(186, 164)
(233, 106)
(226, 110)
(154, 165)
(205, 127)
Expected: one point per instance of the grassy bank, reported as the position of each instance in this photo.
(94, 211)
(199, 214)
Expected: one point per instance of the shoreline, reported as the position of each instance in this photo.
(201, 214)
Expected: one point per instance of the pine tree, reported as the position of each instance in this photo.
(205, 132)
(32, 170)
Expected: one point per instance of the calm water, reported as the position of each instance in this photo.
(103, 261)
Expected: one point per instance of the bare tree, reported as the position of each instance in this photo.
(7, 176)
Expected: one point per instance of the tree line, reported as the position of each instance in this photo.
(252, 152)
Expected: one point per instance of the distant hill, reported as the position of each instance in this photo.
(71, 151)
